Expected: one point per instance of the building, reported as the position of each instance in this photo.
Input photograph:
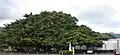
(110, 44)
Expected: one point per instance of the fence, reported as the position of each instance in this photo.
(20, 53)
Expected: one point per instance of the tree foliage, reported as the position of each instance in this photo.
(49, 28)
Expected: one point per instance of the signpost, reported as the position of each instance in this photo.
(71, 48)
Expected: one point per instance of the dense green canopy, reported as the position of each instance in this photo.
(49, 28)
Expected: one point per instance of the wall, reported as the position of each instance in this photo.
(111, 44)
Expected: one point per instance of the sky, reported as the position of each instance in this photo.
(100, 15)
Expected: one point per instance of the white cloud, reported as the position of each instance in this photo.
(100, 15)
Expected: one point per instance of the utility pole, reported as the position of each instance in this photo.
(117, 46)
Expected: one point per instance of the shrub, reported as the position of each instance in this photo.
(65, 52)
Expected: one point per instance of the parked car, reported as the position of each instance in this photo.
(90, 51)
(116, 52)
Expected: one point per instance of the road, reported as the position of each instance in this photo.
(49, 54)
